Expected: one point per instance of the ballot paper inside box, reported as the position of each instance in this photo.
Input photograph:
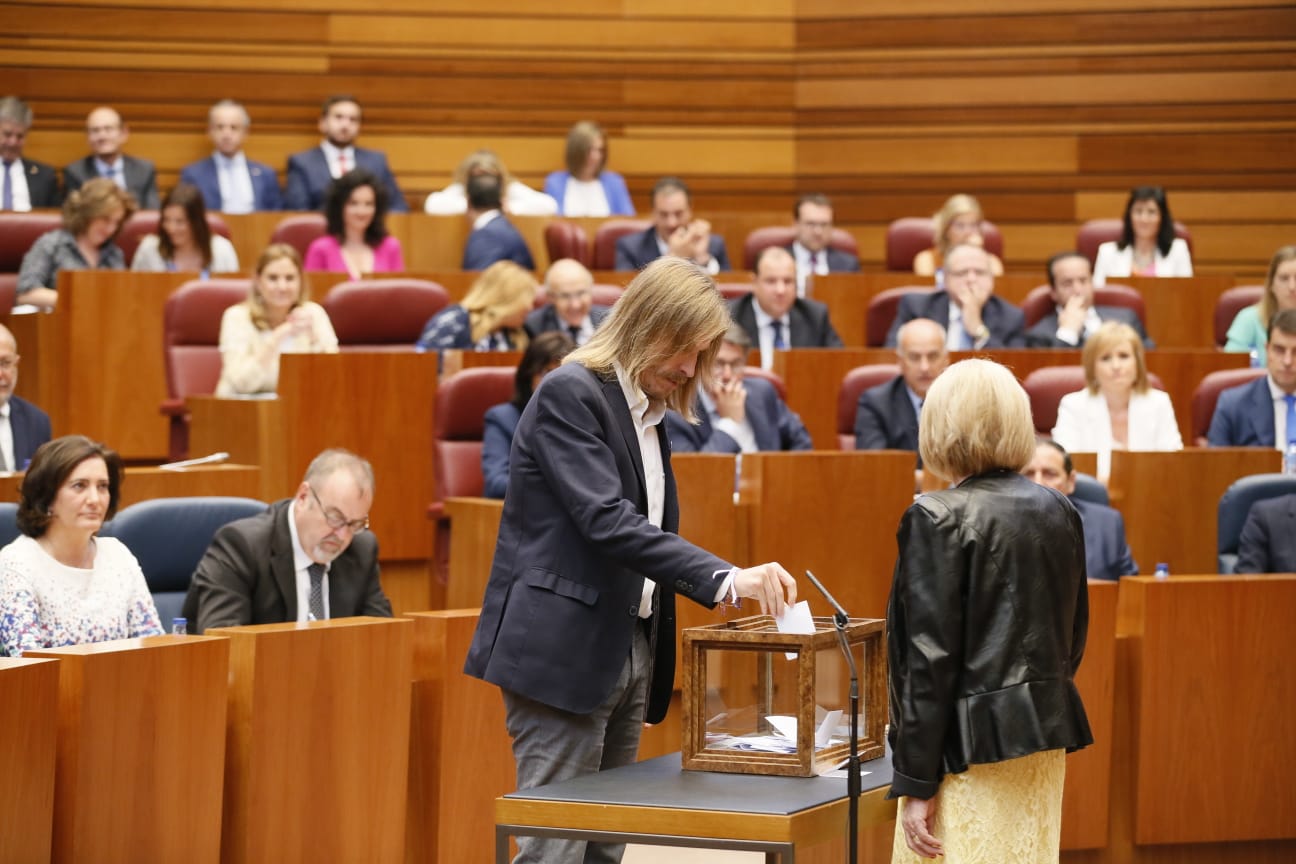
(749, 709)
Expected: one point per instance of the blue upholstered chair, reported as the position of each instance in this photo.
(1235, 504)
(1087, 488)
(8, 523)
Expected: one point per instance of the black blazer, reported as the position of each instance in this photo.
(1043, 333)
(774, 425)
(1244, 416)
(885, 418)
(574, 544)
(807, 321)
(42, 184)
(497, 240)
(141, 179)
(247, 576)
(546, 318)
(838, 261)
(1268, 542)
(309, 178)
(31, 428)
(1005, 321)
(637, 251)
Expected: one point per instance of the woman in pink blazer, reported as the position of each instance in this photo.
(357, 241)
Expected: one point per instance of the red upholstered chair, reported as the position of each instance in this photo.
(18, 231)
(300, 230)
(191, 347)
(145, 222)
(1206, 394)
(1096, 232)
(382, 314)
(1231, 302)
(1038, 303)
(855, 382)
(607, 295)
(566, 239)
(605, 240)
(908, 236)
(783, 235)
(1048, 385)
(775, 380)
(882, 311)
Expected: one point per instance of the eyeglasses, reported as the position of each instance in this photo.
(336, 520)
(730, 365)
(8, 364)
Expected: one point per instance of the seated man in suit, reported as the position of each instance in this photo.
(571, 307)
(1262, 413)
(27, 184)
(107, 133)
(814, 228)
(229, 181)
(307, 558)
(886, 416)
(28, 426)
(774, 316)
(1107, 554)
(674, 232)
(311, 171)
(493, 237)
(972, 316)
(737, 414)
(1075, 317)
(1268, 542)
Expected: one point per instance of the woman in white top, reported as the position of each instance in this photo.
(1147, 246)
(60, 584)
(1117, 410)
(274, 320)
(519, 198)
(184, 241)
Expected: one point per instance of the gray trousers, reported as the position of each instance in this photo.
(550, 745)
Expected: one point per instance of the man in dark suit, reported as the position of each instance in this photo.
(569, 288)
(229, 181)
(577, 625)
(674, 232)
(774, 316)
(307, 558)
(814, 229)
(1268, 542)
(29, 426)
(311, 171)
(25, 184)
(107, 133)
(1107, 554)
(737, 414)
(1262, 413)
(1075, 317)
(972, 316)
(493, 237)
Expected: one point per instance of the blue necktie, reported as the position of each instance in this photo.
(778, 334)
(1291, 418)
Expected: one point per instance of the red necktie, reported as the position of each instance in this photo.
(342, 166)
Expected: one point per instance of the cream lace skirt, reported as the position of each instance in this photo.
(1003, 813)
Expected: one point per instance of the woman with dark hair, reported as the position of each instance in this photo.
(357, 241)
(184, 241)
(1250, 328)
(92, 217)
(1147, 245)
(60, 584)
(587, 188)
(542, 356)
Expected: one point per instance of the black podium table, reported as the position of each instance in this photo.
(658, 804)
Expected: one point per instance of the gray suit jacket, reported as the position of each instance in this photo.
(247, 576)
(141, 179)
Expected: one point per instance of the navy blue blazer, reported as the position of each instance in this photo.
(1005, 321)
(807, 321)
(31, 428)
(562, 602)
(497, 240)
(774, 425)
(1268, 542)
(637, 251)
(42, 184)
(1043, 334)
(309, 179)
(1107, 554)
(265, 183)
(546, 318)
(1243, 416)
(141, 178)
(885, 418)
(497, 438)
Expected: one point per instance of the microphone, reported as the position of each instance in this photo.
(840, 618)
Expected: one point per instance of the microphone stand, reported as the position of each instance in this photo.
(840, 620)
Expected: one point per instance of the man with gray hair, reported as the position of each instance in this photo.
(307, 558)
(26, 184)
(569, 288)
(229, 181)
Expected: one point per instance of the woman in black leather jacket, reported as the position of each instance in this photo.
(986, 627)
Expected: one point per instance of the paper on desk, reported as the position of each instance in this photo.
(795, 619)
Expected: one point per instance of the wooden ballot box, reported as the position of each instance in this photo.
(141, 742)
(28, 711)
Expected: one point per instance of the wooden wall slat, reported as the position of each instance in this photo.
(811, 9)
(937, 155)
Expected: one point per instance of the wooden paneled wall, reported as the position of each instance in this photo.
(1048, 110)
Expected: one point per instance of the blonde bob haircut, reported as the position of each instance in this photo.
(956, 206)
(482, 162)
(976, 418)
(256, 303)
(671, 307)
(1269, 300)
(1109, 336)
(502, 290)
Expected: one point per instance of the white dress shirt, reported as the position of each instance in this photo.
(7, 442)
(1090, 326)
(765, 334)
(301, 575)
(808, 262)
(18, 186)
(331, 155)
(585, 198)
(742, 433)
(1279, 409)
(235, 183)
(116, 171)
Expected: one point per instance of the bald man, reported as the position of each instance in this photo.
(107, 134)
(23, 426)
(569, 288)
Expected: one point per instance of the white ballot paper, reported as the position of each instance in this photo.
(795, 619)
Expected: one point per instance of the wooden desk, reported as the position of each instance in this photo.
(474, 525)
(141, 743)
(251, 431)
(29, 691)
(1086, 802)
